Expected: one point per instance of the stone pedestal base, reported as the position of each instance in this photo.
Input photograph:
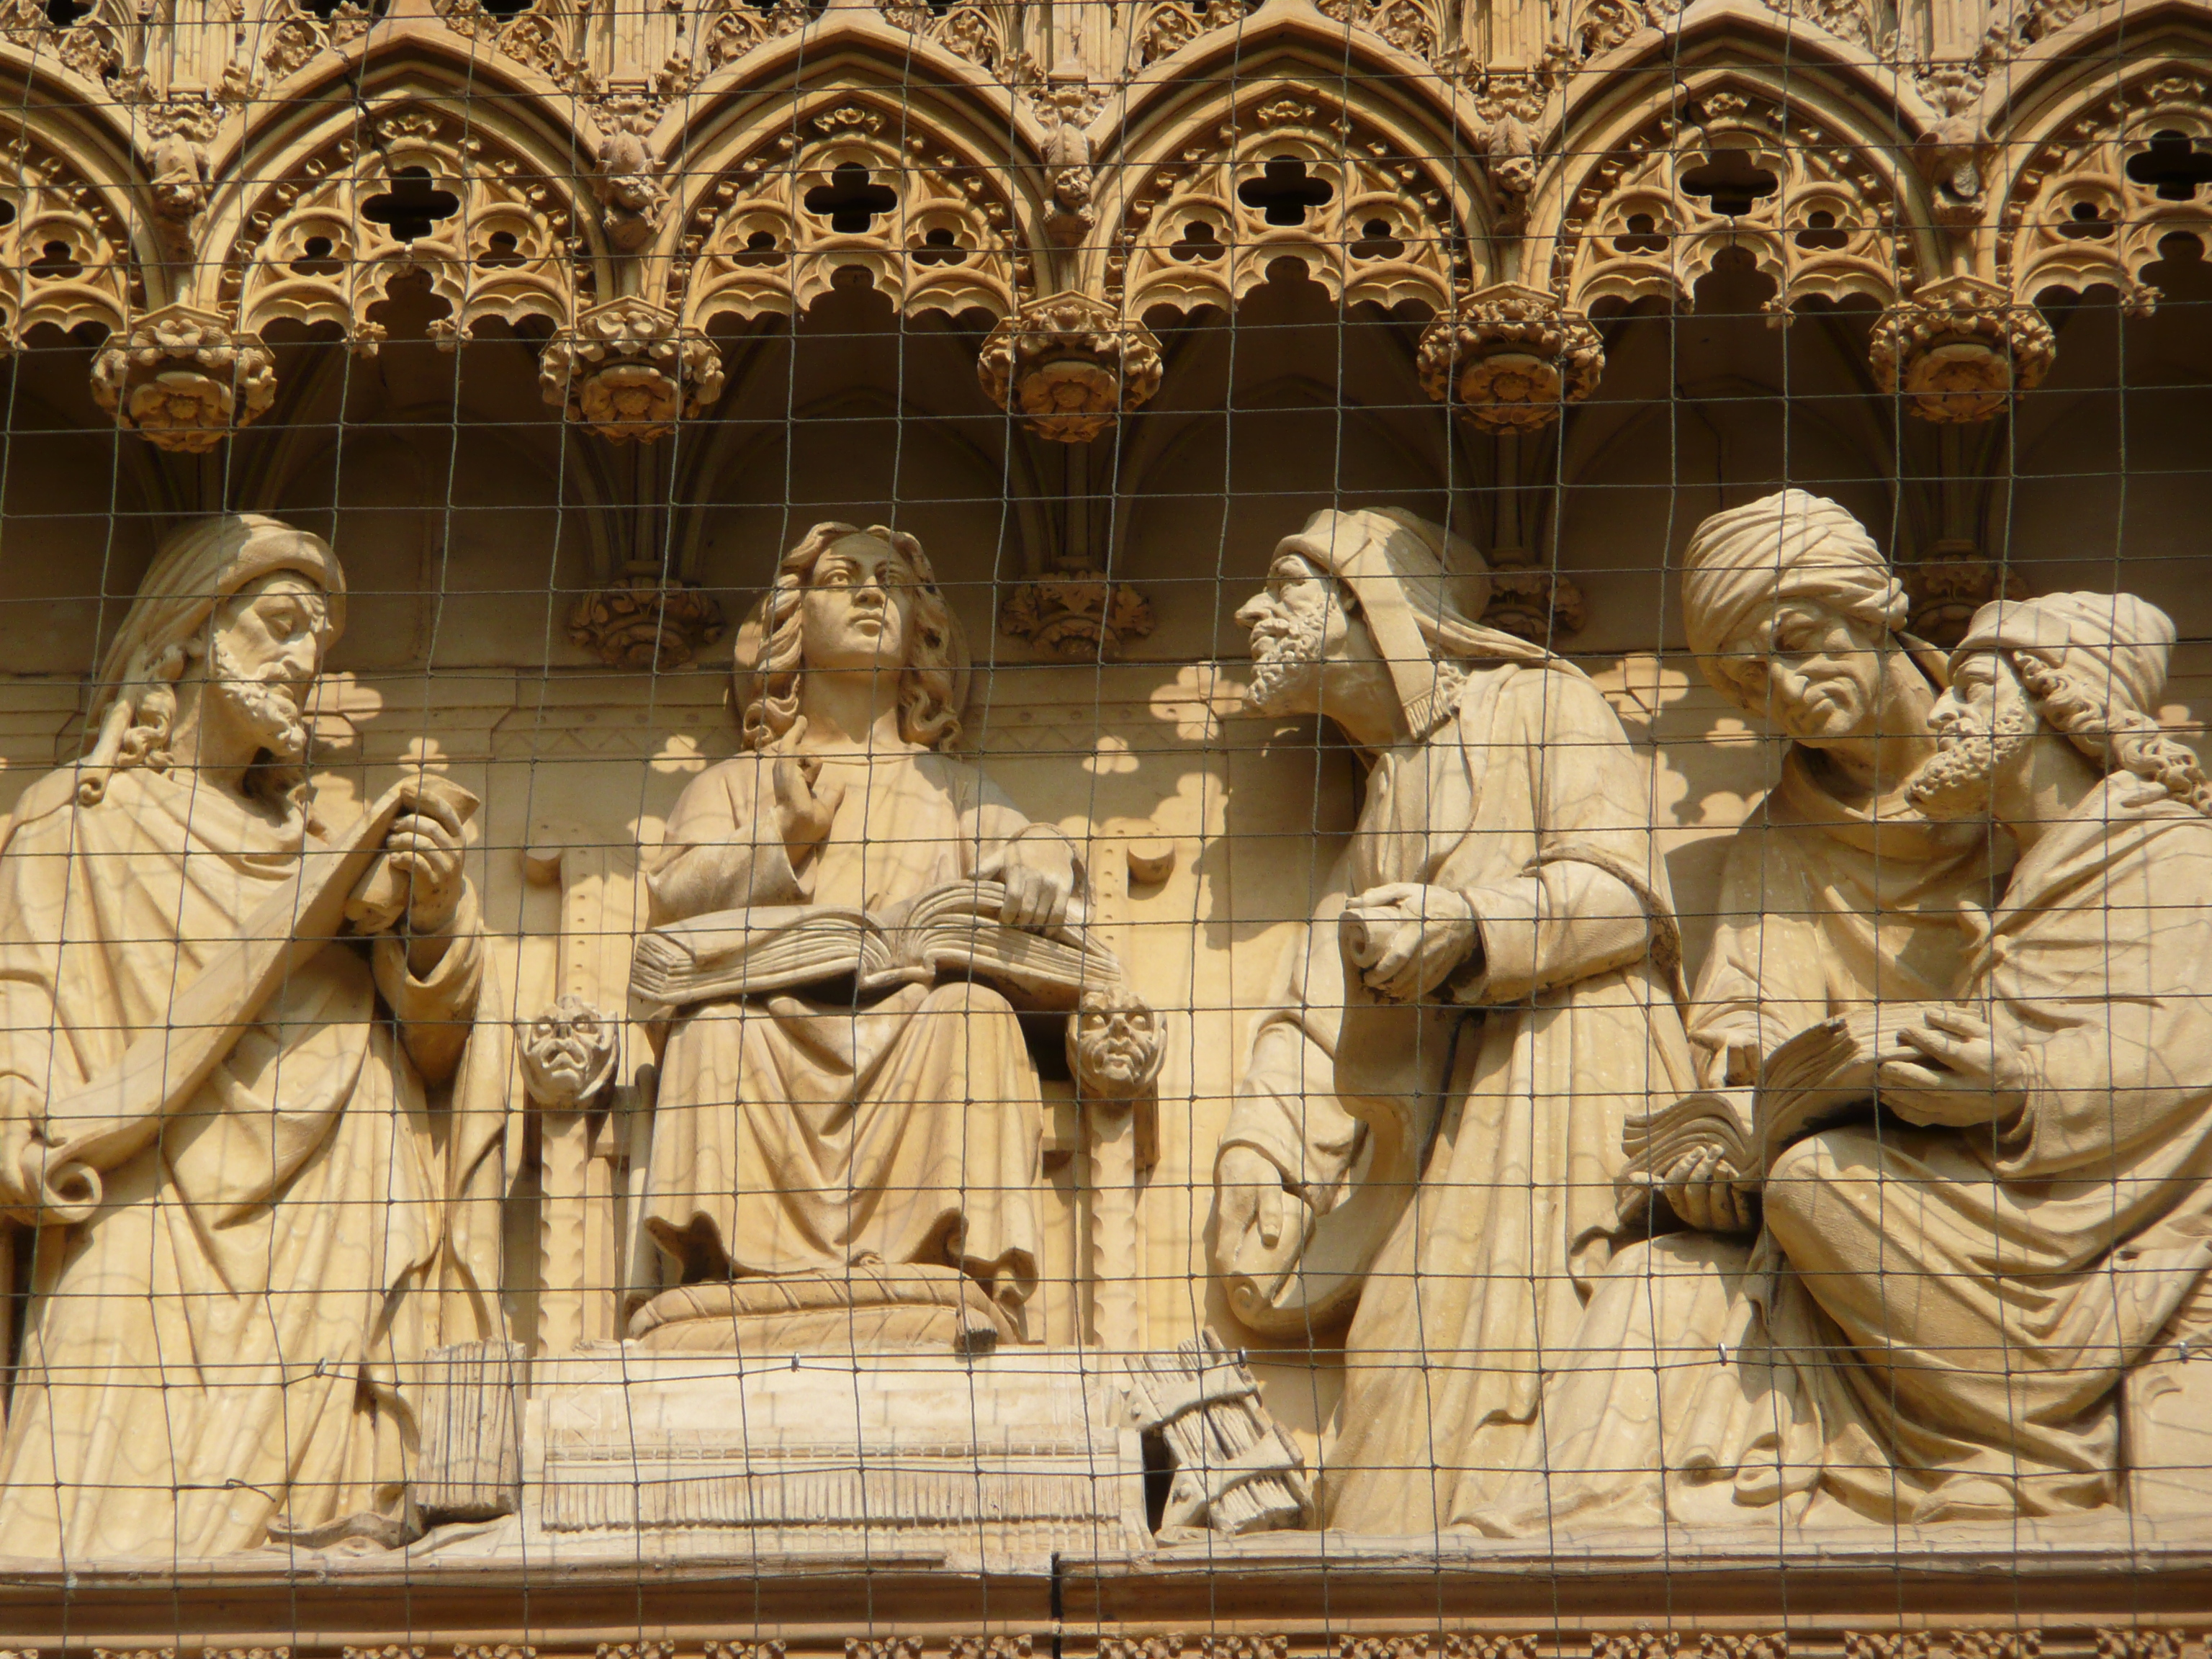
(997, 1461)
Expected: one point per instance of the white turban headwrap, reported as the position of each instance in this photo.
(1742, 563)
(1420, 589)
(2115, 643)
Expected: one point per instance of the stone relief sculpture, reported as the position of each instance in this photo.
(844, 1118)
(1836, 890)
(1430, 1120)
(1933, 1322)
(251, 1225)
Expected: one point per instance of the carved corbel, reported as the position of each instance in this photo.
(183, 379)
(642, 620)
(1510, 358)
(1077, 617)
(630, 371)
(1960, 348)
(1070, 366)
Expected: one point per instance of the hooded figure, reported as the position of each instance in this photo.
(216, 1355)
(1446, 1144)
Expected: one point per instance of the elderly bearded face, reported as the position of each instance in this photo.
(1983, 723)
(1297, 623)
(265, 647)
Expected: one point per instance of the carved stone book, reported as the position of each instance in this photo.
(948, 932)
(1818, 1075)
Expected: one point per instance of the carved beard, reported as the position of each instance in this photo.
(1281, 654)
(265, 701)
(1117, 1058)
(1954, 782)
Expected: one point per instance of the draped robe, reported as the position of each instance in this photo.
(218, 1355)
(798, 1133)
(1936, 1320)
(1826, 906)
(1529, 802)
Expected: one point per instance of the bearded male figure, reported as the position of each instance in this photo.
(227, 1301)
(806, 1130)
(1934, 1322)
(1430, 1120)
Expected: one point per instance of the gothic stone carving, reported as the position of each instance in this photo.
(184, 378)
(851, 193)
(1960, 348)
(643, 621)
(1508, 357)
(1069, 365)
(257, 1017)
(1731, 170)
(1291, 177)
(832, 746)
(1409, 953)
(1078, 617)
(629, 372)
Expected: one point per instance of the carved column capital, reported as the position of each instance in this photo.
(630, 371)
(640, 620)
(1078, 617)
(1509, 357)
(1069, 365)
(183, 380)
(1960, 348)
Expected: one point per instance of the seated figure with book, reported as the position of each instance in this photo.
(1975, 1215)
(847, 1136)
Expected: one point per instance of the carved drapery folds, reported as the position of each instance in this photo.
(1734, 172)
(1291, 178)
(853, 194)
(629, 372)
(1069, 365)
(1509, 357)
(2094, 201)
(1960, 348)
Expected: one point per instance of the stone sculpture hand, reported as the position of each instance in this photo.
(1972, 1075)
(806, 806)
(1039, 874)
(1702, 1190)
(1405, 937)
(1252, 1194)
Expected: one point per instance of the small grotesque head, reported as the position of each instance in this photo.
(1114, 1045)
(568, 1052)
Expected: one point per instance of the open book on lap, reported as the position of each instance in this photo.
(1824, 1073)
(948, 932)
